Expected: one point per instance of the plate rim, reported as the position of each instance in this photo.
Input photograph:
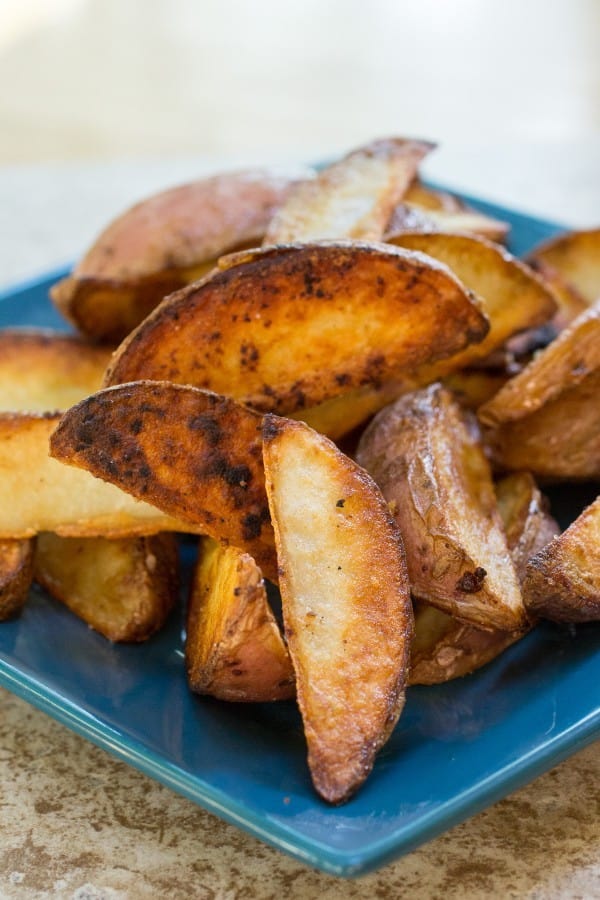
(335, 861)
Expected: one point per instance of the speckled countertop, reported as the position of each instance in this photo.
(75, 823)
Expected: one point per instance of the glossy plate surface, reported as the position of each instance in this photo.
(458, 747)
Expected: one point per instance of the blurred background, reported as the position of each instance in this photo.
(103, 101)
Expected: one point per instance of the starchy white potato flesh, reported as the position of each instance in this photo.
(346, 605)
(37, 493)
(353, 197)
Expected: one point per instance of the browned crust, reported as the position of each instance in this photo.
(563, 579)
(567, 362)
(428, 462)
(344, 726)
(127, 604)
(496, 277)
(234, 649)
(559, 441)
(526, 517)
(16, 574)
(289, 327)
(354, 197)
(188, 451)
(575, 258)
(458, 649)
(148, 251)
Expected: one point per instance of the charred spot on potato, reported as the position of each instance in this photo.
(270, 428)
(471, 582)
(340, 503)
(209, 426)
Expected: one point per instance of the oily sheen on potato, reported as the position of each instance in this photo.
(234, 649)
(427, 460)
(191, 453)
(286, 328)
(346, 604)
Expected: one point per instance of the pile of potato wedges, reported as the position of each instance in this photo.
(343, 383)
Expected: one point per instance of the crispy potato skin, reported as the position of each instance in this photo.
(43, 370)
(426, 209)
(161, 244)
(124, 589)
(16, 574)
(445, 648)
(497, 278)
(563, 579)
(39, 494)
(193, 454)
(568, 361)
(234, 649)
(527, 521)
(546, 419)
(287, 328)
(346, 604)
(354, 197)
(430, 467)
(575, 258)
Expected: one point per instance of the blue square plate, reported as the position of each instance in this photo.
(458, 747)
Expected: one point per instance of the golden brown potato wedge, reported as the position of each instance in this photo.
(571, 262)
(287, 328)
(38, 493)
(547, 417)
(563, 364)
(163, 243)
(411, 217)
(474, 387)
(443, 647)
(16, 574)
(124, 589)
(513, 297)
(352, 198)
(563, 579)
(193, 454)
(346, 604)
(43, 370)
(426, 458)
(234, 649)
(527, 521)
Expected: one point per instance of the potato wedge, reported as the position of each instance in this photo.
(412, 217)
(193, 454)
(474, 387)
(16, 574)
(571, 261)
(513, 297)
(163, 243)
(426, 458)
(563, 579)
(352, 198)
(38, 493)
(346, 604)
(448, 213)
(566, 362)
(124, 589)
(445, 648)
(287, 328)
(43, 370)
(547, 418)
(234, 649)
(527, 521)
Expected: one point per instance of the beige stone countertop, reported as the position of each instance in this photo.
(75, 823)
